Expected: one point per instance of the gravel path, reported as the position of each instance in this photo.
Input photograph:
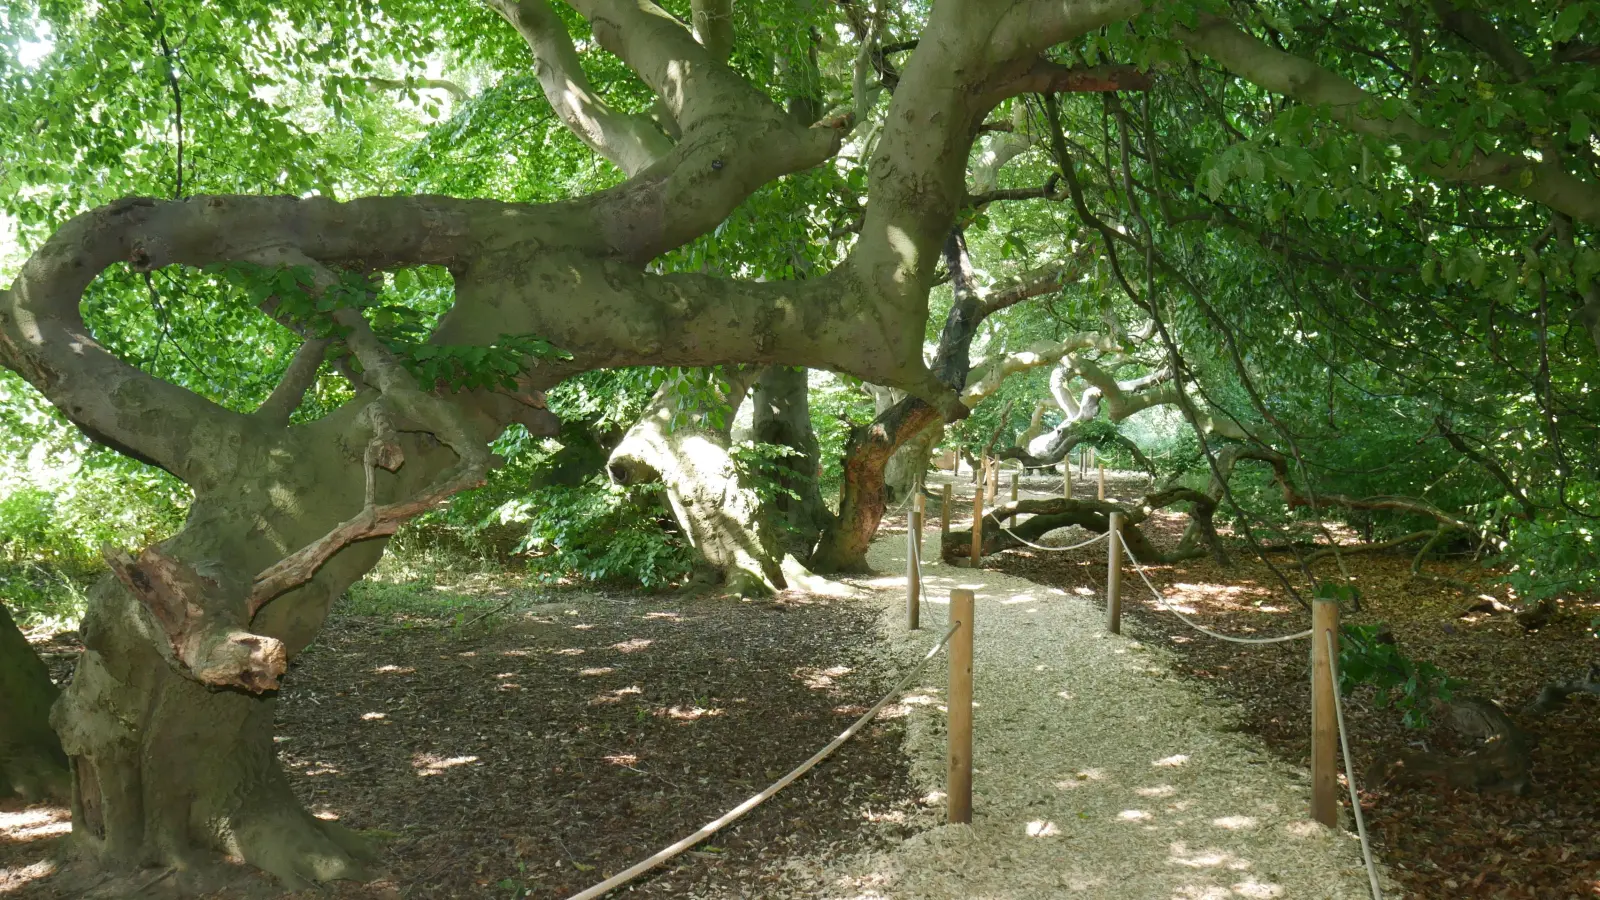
(1097, 772)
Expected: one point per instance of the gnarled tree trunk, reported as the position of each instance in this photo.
(863, 495)
(1093, 515)
(908, 466)
(168, 723)
(168, 719)
(724, 520)
(863, 498)
(781, 411)
(32, 764)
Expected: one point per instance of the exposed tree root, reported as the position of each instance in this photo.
(1092, 515)
(1501, 763)
(1556, 693)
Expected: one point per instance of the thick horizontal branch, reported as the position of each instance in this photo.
(987, 374)
(1038, 282)
(1045, 516)
(1047, 191)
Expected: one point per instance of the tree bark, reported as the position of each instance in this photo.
(32, 763)
(167, 724)
(908, 465)
(904, 469)
(781, 408)
(862, 494)
(170, 772)
(724, 520)
(174, 765)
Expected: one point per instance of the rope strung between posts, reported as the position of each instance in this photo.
(1162, 601)
(1026, 543)
(1338, 709)
(1349, 770)
(903, 503)
(715, 825)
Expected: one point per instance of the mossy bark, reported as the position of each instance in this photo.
(32, 764)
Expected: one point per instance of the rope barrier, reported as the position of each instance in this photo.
(1162, 601)
(717, 824)
(1333, 662)
(1349, 770)
(1026, 543)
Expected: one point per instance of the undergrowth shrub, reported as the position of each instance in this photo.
(598, 532)
(1368, 655)
(1552, 557)
(61, 500)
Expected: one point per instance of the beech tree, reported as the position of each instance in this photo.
(1202, 180)
(285, 514)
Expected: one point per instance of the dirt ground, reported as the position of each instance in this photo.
(1438, 842)
(556, 740)
(543, 748)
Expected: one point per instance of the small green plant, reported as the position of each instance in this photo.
(1368, 655)
(597, 532)
(762, 468)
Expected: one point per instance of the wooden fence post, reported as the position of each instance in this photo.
(1066, 479)
(1114, 575)
(913, 557)
(958, 700)
(977, 527)
(1102, 482)
(994, 480)
(944, 517)
(1324, 724)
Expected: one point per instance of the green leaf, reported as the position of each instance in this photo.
(1568, 22)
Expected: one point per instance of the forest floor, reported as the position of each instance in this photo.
(533, 749)
(1436, 841)
(499, 740)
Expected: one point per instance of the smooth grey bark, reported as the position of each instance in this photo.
(32, 763)
(781, 415)
(170, 771)
(908, 466)
(733, 535)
